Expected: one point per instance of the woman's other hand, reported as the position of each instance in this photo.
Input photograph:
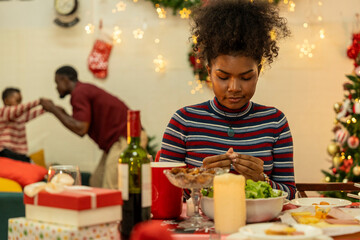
(248, 166)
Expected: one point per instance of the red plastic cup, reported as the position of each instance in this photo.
(166, 198)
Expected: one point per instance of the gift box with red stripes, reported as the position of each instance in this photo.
(76, 205)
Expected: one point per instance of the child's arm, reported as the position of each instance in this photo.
(9, 113)
(33, 113)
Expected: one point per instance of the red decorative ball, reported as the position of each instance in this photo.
(353, 142)
(351, 52)
(334, 170)
(356, 37)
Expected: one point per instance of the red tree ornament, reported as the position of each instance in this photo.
(353, 142)
(354, 49)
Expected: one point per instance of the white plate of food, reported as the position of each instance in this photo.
(280, 231)
(321, 202)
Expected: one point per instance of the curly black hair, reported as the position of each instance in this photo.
(8, 92)
(238, 27)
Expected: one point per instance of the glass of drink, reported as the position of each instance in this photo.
(66, 174)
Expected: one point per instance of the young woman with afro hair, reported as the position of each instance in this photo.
(235, 38)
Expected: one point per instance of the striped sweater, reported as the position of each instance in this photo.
(198, 131)
(12, 125)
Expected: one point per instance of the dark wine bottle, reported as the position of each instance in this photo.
(134, 178)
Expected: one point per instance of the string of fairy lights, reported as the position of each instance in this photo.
(306, 48)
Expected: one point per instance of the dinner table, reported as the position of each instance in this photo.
(180, 234)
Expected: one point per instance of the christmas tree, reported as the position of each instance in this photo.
(345, 149)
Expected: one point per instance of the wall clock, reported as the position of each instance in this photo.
(66, 12)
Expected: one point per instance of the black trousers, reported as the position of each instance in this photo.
(13, 155)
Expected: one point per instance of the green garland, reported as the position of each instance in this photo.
(176, 5)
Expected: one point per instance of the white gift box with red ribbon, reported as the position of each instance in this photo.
(76, 205)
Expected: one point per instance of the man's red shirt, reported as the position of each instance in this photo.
(106, 114)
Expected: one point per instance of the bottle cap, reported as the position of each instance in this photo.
(134, 126)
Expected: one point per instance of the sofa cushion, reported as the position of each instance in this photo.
(22, 172)
(8, 185)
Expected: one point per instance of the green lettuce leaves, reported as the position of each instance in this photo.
(260, 189)
(253, 190)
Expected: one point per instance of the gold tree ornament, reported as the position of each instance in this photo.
(333, 149)
(337, 107)
(337, 160)
(356, 170)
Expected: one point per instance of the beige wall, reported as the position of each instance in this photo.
(32, 47)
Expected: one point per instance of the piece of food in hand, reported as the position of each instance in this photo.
(233, 154)
(282, 229)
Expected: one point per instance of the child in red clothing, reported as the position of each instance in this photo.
(13, 117)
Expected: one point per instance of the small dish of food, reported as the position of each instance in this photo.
(193, 177)
(280, 231)
(320, 202)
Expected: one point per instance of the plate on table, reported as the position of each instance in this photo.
(321, 202)
(258, 231)
(239, 236)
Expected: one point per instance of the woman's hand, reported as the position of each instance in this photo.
(248, 166)
(222, 161)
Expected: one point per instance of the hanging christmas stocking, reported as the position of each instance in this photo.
(98, 58)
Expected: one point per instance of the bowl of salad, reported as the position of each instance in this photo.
(262, 202)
